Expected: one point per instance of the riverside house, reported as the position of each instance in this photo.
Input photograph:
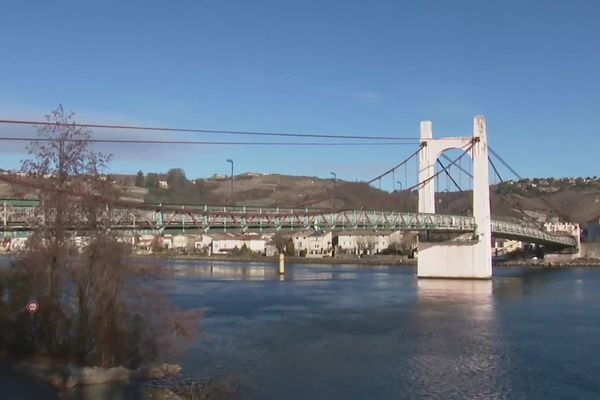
(363, 242)
(226, 243)
(313, 243)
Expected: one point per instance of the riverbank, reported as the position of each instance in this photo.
(578, 262)
(369, 260)
(38, 377)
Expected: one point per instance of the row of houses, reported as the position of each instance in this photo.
(304, 243)
(323, 244)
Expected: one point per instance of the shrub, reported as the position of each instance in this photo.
(290, 249)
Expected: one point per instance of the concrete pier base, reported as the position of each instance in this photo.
(453, 260)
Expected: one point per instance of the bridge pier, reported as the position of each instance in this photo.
(457, 259)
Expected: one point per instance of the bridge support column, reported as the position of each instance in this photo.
(457, 259)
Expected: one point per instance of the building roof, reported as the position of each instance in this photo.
(311, 233)
(232, 236)
(364, 233)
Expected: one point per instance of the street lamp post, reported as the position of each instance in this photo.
(402, 205)
(334, 182)
(229, 160)
(447, 200)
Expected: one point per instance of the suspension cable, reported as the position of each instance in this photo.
(458, 166)
(439, 172)
(449, 176)
(538, 195)
(495, 170)
(396, 166)
(504, 162)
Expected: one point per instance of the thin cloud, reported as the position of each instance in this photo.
(362, 95)
(368, 96)
(122, 153)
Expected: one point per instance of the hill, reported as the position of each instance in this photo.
(573, 199)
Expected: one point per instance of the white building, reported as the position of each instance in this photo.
(217, 177)
(228, 242)
(562, 227)
(181, 241)
(313, 244)
(270, 249)
(502, 247)
(167, 241)
(363, 242)
(128, 239)
(17, 244)
(203, 242)
(80, 241)
(144, 244)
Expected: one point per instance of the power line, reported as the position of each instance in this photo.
(210, 131)
(205, 142)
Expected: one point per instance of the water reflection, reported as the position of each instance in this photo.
(256, 272)
(473, 353)
(222, 271)
(449, 289)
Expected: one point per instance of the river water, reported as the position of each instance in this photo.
(376, 332)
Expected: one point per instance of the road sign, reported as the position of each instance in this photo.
(32, 306)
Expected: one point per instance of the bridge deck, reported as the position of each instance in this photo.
(20, 216)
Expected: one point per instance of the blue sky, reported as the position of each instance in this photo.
(348, 67)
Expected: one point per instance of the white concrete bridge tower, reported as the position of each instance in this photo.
(470, 259)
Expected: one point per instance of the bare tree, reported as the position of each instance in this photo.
(408, 243)
(94, 307)
(280, 240)
(403, 245)
(59, 156)
(366, 244)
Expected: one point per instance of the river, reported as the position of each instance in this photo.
(376, 332)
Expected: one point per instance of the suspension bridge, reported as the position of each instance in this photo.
(19, 219)
(451, 246)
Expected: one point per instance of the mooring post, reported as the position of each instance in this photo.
(281, 264)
